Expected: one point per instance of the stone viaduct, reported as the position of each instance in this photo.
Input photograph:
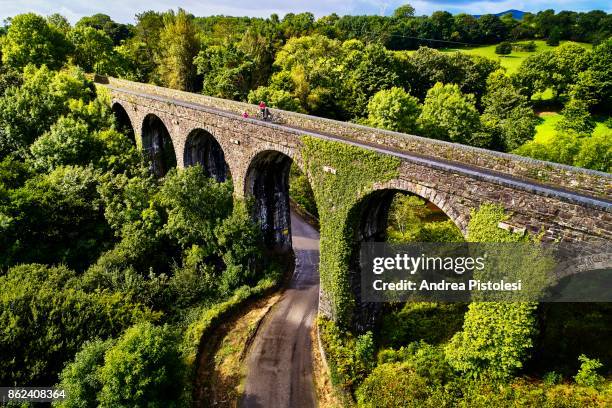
(183, 129)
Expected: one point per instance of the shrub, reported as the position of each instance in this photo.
(552, 378)
(193, 281)
(350, 358)
(587, 376)
(596, 152)
(80, 379)
(432, 322)
(503, 48)
(424, 359)
(392, 385)
(525, 47)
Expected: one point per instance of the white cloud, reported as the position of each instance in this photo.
(125, 10)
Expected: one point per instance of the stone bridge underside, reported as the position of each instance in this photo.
(566, 203)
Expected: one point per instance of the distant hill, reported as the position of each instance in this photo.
(516, 14)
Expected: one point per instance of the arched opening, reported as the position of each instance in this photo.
(203, 149)
(124, 124)
(157, 145)
(267, 182)
(397, 216)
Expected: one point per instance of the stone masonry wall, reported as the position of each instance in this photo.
(571, 178)
(454, 192)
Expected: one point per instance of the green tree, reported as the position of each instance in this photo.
(407, 214)
(492, 29)
(507, 116)
(394, 109)
(70, 141)
(227, 71)
(569, 61)
(67, 142)
(309, 68)
(261, 41)
(115, 31)
(277, 98)
(27, 111)
(596, 152)
(92, 48)
(425, 67)
(144, 368)
(59, 22)
(54, 218)
(558, 69)
(576, 118)
(449, 115)
(367, 70)
(188, 221)
(297, 25)
(595, 84)
(180, 47)
(554, 37)
(31, 40)
(142, 51)
(534, 73)
(239, 240)
(46, 317)
(404, 11)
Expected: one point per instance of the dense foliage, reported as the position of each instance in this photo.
(97, 255)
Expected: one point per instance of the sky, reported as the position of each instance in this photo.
(125, 10)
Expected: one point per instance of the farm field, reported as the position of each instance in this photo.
(546, 129)
(513, 61)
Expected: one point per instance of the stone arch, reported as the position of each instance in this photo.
(267, 183)
(456, 213)
(202, 148)
(124, 122)
(157, 145)
(367, 222)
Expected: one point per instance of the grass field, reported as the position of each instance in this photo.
(510, 62)
(546, 129)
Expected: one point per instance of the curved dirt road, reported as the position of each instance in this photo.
(279, 365)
